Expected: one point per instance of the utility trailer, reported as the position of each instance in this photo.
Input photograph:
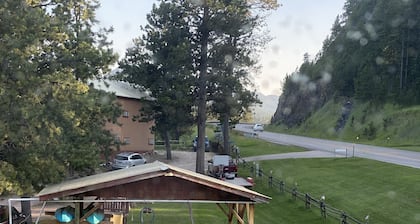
(223, 167)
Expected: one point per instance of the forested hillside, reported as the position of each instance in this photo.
(371, 55)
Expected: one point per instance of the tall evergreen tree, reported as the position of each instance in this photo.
(207, 36)
(231, 60)
(54, 121)
(161, 62)
(198, 29)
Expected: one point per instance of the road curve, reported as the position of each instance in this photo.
(384, 154)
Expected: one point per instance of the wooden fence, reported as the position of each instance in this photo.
(325, 209)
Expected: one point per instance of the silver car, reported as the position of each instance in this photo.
(128, 159)
(258, 127)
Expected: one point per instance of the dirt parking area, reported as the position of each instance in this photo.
(182, 159)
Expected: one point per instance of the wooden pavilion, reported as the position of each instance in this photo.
(155, 182)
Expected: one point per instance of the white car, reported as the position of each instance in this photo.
(127, 159)
(258, 127)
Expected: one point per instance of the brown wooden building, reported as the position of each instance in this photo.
(158, 182)
(135, 136)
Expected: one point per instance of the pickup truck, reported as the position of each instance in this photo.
(222, 166)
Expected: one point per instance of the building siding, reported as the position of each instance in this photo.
(139, 135)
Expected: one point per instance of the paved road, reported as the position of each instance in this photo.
(389, 155)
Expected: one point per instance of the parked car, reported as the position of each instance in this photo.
(206, 143)
(128, 159)
(258, 127)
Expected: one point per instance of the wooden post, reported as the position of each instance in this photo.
(251, 213)
(77, 212)
(307, 201)
(282, 186)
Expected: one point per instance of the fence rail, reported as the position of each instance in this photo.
(172, 142)
(326, 210)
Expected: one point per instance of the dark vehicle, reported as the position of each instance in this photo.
(207, 144)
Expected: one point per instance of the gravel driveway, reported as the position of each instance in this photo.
(182, 159)
(186, 160)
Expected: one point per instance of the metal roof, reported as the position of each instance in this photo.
(143, 173)
(120, 88)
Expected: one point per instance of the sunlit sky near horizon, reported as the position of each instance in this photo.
(297, 27)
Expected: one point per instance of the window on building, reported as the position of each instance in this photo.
(127, 140)
(125, 113)
(117, 139)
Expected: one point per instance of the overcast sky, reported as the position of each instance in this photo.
(298, 26)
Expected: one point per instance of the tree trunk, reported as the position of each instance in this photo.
(202, 92)
(225, 128)
(167, 146)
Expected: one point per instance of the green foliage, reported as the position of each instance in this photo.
(370, 131)
(387, 125)
(161, 63)
(370, 55)
(185, 41)
(54, 121)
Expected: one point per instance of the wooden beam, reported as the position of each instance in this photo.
(221, 208)
(250, 211)
(230, 215)
(90, 212)
(238, 217)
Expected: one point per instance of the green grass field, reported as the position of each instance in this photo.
(360, 187)
(387, 193)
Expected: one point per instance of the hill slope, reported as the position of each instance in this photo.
(387, 125)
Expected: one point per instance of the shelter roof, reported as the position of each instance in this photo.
(155, 181)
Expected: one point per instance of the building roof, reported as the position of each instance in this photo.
(155, 181)
(120, 88)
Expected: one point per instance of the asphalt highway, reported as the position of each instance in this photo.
(384, 154)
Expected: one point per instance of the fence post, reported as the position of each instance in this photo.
(343, 218)
(322, 207)
(307, 200)
(367, 219)
(282, 186)
(257, 169)
(270, 179)
(294, 192)
(252, 170)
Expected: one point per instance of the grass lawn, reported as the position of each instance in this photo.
(360, 187)
(387, 193)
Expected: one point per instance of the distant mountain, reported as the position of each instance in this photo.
(264, 112)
